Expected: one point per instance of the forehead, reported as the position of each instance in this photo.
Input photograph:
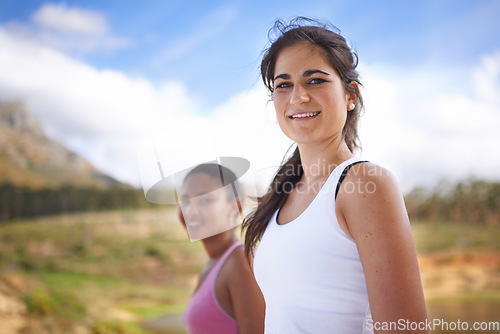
(301, 57)
(200, 183)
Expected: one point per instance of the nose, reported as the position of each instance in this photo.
(189, 210)
(299, 95)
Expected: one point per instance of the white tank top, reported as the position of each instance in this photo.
(310, 272)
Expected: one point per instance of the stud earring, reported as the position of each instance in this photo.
(352, 106)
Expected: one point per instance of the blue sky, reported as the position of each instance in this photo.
(199, 59)
(214, 47)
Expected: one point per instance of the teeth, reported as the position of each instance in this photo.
(194, 223)
(307, 114)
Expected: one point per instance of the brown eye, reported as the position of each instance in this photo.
(283, 85)
(317, 81)
(204, 200)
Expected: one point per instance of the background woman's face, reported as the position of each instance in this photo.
(206, 207)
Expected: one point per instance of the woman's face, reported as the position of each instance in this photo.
(205, 206)
(309, 97)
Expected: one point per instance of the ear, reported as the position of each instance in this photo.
(353, 97)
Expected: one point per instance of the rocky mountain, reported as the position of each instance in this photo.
(29, 158)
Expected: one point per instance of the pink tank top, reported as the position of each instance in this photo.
(203, 314)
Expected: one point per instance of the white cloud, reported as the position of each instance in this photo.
(412, 126)
(106, 115)
(68, 28)
(238, 127)
(487, 79)
(81, 105)
(70, 20)
(422, 133)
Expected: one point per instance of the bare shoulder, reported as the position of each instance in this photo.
(237, 255)
(370, 197)
(372, 208)
(367, 182)
(236, 264)
(369, 172)
(247, 300)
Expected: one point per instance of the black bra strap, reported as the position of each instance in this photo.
(343, 175)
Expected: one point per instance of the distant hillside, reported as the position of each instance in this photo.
(29, 158)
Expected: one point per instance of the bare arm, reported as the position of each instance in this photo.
(247, 300)
(375, 217)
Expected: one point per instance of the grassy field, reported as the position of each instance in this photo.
(106, 273)
(102, 272)
(438, 237)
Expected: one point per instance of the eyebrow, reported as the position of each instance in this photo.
(187, 196)
(307, 73)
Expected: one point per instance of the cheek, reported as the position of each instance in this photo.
(223, 210)
(181, 216)
(280, 109)
(209, 211)
(215, 210)
(279, 103)
(336, 102)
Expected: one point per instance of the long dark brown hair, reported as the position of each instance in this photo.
(340, 56)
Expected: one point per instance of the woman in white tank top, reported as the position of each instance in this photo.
(335, 252)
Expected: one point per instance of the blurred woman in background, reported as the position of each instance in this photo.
(227, 299)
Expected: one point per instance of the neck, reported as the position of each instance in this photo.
(216, 245)
(318, 161)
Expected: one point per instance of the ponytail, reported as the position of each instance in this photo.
(287, 177)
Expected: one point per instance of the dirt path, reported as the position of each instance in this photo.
(449, 274)
(169, 324)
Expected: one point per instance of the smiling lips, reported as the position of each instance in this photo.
(305, 115)
(194, 224)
